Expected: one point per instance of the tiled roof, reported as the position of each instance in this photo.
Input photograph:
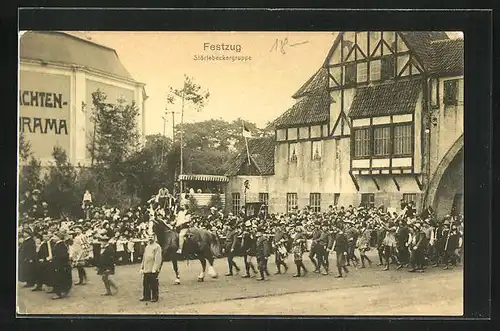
(447, 56)
(262, 154)
(317, 82)
(312, 109)
(63, 48)
(387, 99)
(420, 42)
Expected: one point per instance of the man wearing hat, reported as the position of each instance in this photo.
(315, 250)
(340, 248)
(182, 224)
(152, 262)
(298, 248)
(106, 265)
(248, 246)
(28, 257)
(261, 252)
(281, 239)
(62, 267)
(418, 248)
(230, 246)
(325, 244)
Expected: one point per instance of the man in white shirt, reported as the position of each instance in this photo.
(150, 268)
(182, 223)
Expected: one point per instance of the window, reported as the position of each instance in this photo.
(362, 72)
(368, 200)
(375, 70)
(315, 202)
(236, 203)
(336, 198)
(281, 134)
(362, 142)
(402, 139)
(451, 92)
(264, 197)
(350, 74)
(387, 67)
(381, 141)
(291, 201)
(410, 197)
(304, 132)
(316, 150)
(292, 152)
(292, 134)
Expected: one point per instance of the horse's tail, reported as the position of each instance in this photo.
(215, 245)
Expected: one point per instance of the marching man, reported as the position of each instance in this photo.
(182, 224)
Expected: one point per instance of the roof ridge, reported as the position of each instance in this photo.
(442, 41)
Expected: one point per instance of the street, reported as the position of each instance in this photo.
(368, 291)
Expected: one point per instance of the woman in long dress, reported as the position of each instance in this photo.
(80, 251)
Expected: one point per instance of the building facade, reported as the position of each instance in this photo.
(380, 121)
(58, 73)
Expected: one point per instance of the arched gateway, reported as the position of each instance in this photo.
(445, 190)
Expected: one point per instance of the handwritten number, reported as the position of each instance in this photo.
(281, 44)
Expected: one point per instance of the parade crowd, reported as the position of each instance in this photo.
(104, 237)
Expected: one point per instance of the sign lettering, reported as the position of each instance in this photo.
(41, 99)
(44, 126)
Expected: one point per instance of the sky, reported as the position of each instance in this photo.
(258, 89)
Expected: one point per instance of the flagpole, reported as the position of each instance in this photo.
(246, 141)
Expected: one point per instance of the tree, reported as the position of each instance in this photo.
(190, 94)
(24, 148)
(60, 186)
(113, 147)
(115, 135)
(30, 176)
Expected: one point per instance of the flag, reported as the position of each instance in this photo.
(246, 131)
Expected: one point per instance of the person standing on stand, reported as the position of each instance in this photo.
(150, 268)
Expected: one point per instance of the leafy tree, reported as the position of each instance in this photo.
(60, 186)
(115, 135)
(30, 176)
(24, 148)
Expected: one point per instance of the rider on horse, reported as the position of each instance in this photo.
(182, 224)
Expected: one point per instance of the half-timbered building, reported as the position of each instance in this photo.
(380, 121)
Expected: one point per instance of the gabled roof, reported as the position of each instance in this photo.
(447, 56)
(60, 47)
(311, 109)
(420, 43)
(394, 98)
(317, 82)
(261, 152)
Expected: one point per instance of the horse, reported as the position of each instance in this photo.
(200, 243)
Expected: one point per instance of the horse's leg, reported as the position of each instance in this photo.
(201, 277)
(176, 270)
(211, 269)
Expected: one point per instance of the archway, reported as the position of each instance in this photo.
(446, 189)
